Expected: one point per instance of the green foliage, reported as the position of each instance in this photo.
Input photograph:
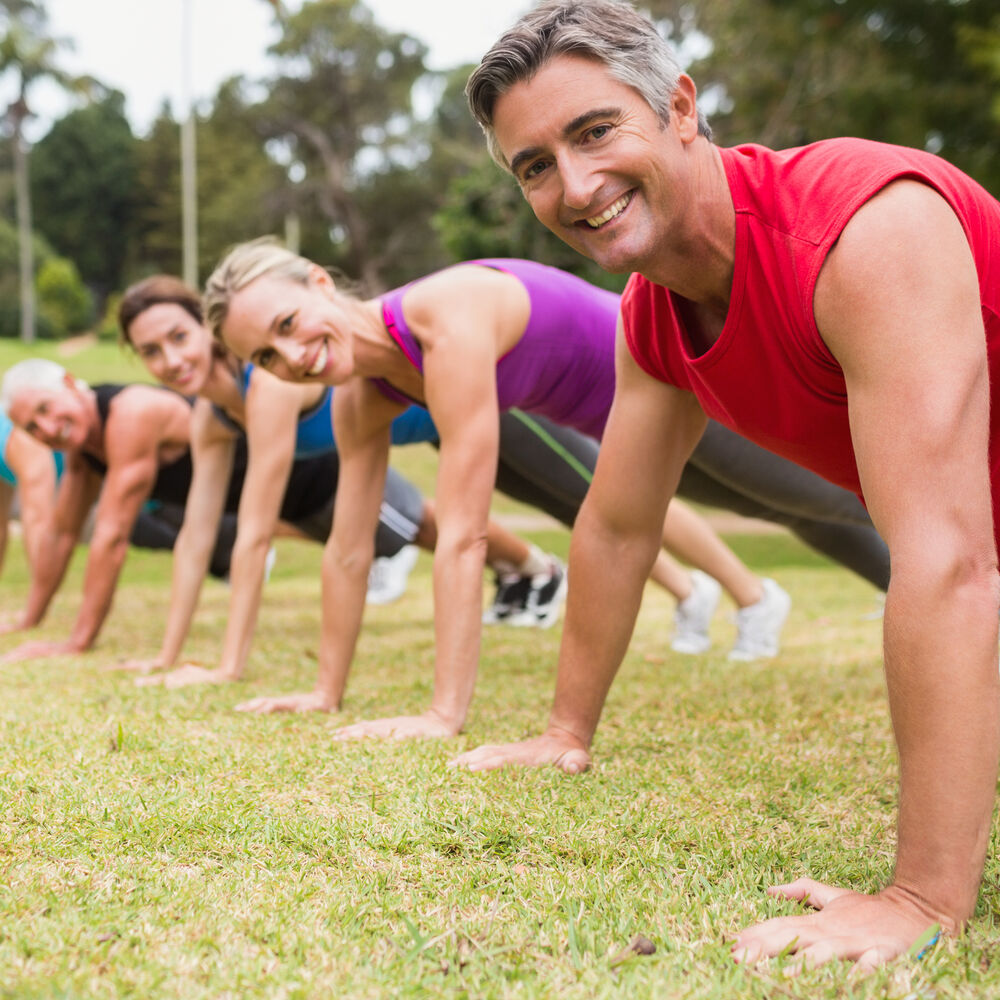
(107, 328)
(484, 215)
(83, 184)
(339, 110)
(64, 303)
(158, 211)
(63, 299)
(791, 72)
(231, 145)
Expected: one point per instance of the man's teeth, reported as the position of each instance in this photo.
(616, 209)
(320, 363)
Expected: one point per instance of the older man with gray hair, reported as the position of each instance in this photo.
(123, 445)
(838, 304)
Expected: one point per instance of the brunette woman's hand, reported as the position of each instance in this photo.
(186, 675)
(428, 726)
(311, 701)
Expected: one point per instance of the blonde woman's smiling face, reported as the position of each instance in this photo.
(299, 332)
(174, 346)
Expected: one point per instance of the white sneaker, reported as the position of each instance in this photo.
(758, 626)
(388, 575)
(694, 613)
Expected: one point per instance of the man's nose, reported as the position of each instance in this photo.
(579, 181)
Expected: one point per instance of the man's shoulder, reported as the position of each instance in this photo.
(139, 400)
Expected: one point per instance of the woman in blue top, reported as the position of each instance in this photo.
(160, 318)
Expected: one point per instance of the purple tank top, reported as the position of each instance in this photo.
(563, 367)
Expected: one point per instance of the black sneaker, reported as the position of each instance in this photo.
(511, 596)
(545, 597)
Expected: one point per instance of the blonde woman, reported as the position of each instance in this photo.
(468, 342)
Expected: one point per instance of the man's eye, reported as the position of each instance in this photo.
(534, 169)
(599, 131)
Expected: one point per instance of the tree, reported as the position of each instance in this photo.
(231, 144)
(28, 54)
(242, 192)
(340, 110)
(788, 72)
(85, 186)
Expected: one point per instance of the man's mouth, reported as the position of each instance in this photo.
(613, 211)
(320, 363)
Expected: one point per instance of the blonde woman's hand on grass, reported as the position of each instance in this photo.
(554, 747)
(429, 726)
(311, 701)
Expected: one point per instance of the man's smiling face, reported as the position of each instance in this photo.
(595, 162)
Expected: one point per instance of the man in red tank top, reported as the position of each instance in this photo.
(838, 304)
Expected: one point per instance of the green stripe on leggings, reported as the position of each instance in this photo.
(571, 460)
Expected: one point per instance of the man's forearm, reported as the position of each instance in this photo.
(104, 563)
(600, 615)
(52, 558)
(941, 671)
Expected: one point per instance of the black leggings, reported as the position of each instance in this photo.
(159, 524)
(550, 467)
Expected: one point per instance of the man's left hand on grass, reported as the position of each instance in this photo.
(867, 930)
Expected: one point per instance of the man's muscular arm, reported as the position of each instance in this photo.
(898, 305)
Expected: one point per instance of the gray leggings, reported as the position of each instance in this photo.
(550, 467)
(399, 519)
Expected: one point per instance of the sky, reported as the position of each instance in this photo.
(135, 45)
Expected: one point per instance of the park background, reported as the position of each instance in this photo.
(157, 844)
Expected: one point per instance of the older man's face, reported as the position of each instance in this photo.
(58, 418)
(595, 162)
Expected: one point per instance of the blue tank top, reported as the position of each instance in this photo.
(6, 472)
(315, 430)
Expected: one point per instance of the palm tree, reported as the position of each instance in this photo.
(28, 53)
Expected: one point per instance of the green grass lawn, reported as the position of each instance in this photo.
(157, 844)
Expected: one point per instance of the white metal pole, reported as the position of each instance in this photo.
(189, 178)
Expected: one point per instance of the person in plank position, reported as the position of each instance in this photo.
(838, 304)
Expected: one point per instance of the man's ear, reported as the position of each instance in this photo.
(684, 108)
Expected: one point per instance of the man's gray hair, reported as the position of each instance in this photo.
(610, 32)
(34, 373)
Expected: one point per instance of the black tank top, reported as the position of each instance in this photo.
(173, 479)
(311, 483)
